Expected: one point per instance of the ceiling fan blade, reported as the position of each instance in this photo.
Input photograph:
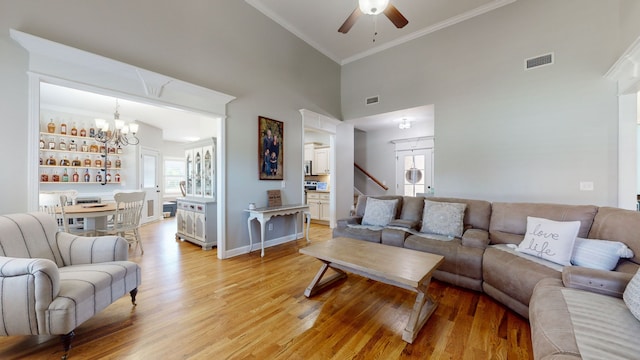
(395, 16)
(346, 26)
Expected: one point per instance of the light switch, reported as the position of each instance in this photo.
(586, 185)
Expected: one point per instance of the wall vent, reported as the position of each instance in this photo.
(372, 100)
(538, 61)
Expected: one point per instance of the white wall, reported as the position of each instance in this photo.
(503, 133)
(226, 46)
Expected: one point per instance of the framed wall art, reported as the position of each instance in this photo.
(270, 148)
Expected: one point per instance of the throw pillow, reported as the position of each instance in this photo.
(599, 254)
(550, 240)
(631, 295)
(379, 212)
(443, 218)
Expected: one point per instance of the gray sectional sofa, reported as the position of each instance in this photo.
(483, 258)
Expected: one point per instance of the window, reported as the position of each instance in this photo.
(174, 172)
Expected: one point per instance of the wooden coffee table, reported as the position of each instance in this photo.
(404, 268)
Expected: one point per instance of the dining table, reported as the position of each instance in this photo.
(95, 215)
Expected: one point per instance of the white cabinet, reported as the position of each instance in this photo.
(196, 221)
(319, 205)
(321, 161)
(308, 152)
(201, 169)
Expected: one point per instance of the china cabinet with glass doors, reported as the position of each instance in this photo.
(196, 212)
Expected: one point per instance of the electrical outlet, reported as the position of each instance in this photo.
(270, 228)
(586, 185)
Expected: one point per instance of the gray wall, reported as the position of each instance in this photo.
(503, 133)
(224, 45)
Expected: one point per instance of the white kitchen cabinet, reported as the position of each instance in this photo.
(321, 161)
(308, 152)
(319, 205)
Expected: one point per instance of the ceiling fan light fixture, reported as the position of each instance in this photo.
(373, 7)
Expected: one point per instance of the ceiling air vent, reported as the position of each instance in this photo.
(538, 61)
(372, 100)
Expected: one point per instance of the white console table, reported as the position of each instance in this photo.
(264, 214)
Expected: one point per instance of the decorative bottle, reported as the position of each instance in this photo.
(83, 131)
(118, 163)
(98, 163)
(51, 127)
(73, 146)
(117, 177)
(76, 176)
(52, 144)
(84, 147)
(76, 162)
(41, 143)
(62, 145)
(65, 176)
(63, 128)
(87, 161)
(108, 164)
(55, 177)
(64, 162)
(74, 129)
(98, 177)
(50, 161)
(108, 177)
(92, 132)
(93, 148)
(87, 176)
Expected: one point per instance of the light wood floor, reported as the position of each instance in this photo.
(193, 306)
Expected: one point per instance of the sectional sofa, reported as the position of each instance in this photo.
(486, 252)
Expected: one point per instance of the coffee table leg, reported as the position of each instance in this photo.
(424, 306)
(317, 285)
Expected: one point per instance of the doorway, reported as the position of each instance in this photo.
(150, 184)
(413, 172)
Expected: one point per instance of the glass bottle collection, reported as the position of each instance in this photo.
(57, 147)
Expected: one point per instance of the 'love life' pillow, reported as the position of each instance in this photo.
(550, 240)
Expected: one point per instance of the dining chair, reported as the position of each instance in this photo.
(126, 220)
(70, 224)
(50, 204)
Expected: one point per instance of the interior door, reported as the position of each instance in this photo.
(414, 172)
(150, 175)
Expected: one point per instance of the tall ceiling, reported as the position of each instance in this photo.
(317, 22)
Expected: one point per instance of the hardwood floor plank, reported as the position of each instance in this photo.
(193, 306)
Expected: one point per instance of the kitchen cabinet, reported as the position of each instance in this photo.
(196, 221)
(308, 152)
(321, 161)
(201, 169)
(319, 205)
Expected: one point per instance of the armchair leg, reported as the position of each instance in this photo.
(66, 343)
(133, 294)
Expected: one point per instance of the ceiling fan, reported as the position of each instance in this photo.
(374, 7)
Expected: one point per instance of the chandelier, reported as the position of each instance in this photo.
(121, 135)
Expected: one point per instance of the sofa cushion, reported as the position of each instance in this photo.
(599, 254)
(631, 295)
(477, 214)
(443, 218)
(550, 240)
(379, 212)
(618, 225)
(509, 220)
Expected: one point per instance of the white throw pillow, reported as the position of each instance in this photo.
(443, 218)
(550, 240)
(631, 295)
(379, 212)
(599, 254)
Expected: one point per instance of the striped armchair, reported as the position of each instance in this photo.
(51, 281)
